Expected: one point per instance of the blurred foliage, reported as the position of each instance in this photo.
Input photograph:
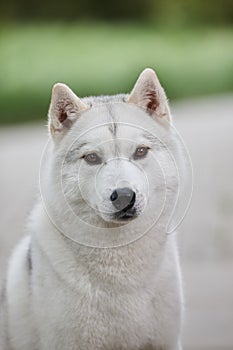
(173, 11)
(106, 59)
(100, 47)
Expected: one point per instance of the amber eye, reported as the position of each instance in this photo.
(141, 152)
(92, 158)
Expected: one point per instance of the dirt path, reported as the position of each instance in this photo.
(206, 234)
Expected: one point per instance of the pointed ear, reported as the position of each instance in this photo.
(149, 95)
(64, 109)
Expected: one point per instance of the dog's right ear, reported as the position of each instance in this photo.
(64, 110)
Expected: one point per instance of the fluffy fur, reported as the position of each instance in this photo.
(82, 279)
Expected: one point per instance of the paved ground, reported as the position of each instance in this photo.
(206, 234)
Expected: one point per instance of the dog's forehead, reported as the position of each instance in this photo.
(111, 121)
(105, 140)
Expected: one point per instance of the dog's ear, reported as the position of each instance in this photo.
(64, 109)
(149, 95)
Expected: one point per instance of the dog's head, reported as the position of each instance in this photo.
(112, 153)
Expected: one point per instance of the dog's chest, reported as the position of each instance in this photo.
(106, 305)
(96, 319)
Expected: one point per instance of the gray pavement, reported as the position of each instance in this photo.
(205, 235)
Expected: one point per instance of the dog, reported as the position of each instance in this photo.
(98, 270)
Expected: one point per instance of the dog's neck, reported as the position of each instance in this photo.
(115, 265)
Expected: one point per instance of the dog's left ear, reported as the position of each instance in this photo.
(149, 95)
(65, 107)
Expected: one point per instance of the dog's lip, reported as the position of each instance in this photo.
(126, 215)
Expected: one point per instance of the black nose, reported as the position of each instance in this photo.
(123, 198)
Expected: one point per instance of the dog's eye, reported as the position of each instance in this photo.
(141, 152)
(92, 158)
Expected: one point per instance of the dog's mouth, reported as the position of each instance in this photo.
(125, 215)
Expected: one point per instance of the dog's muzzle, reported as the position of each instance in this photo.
(123, 199)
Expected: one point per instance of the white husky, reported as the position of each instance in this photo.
(99, 271)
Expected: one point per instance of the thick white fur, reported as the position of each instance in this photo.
(63, 295)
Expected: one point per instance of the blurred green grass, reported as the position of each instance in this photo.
(106, 59)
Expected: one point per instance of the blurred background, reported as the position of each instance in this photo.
(100, 47)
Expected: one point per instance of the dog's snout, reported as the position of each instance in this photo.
(123, 198)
